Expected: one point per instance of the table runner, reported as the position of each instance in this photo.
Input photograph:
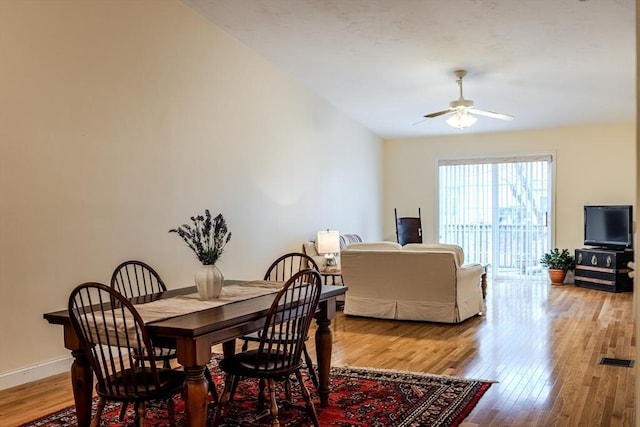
(162, 309)
(184, 304)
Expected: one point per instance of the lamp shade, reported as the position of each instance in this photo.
(328, 242)
(461, 119)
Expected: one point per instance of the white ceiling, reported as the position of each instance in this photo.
(386, 63)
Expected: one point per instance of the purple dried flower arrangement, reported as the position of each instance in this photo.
(207, 237)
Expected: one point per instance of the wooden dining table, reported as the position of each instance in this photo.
(192, 335)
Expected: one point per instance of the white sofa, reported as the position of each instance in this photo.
(427, 282)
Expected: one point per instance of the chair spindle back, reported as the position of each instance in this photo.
(288, 321)
(135, 278)
(111, 331)
(283, 268)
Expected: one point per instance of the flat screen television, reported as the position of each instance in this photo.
(609, 227)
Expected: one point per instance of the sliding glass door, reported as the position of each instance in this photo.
(498, 211)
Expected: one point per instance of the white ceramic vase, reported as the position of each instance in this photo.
(209, 280)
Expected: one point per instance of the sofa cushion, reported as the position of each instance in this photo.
(310, 249)
(374, 246)
(457, 250)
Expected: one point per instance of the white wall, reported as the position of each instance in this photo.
(120, 120)
(592, 165)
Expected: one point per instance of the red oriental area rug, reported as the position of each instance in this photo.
(359, 397)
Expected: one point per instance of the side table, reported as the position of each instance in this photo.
(330, 272)
(333, 272)
(483, 280)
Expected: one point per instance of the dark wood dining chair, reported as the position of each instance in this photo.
(110, 331)
(135, 279)
(282, 269)
(408, 229)
(279, 353)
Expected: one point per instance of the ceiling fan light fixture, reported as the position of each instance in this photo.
(461, 119)
(461, 108)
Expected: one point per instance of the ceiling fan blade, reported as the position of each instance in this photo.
(439, 113)
(490, 114)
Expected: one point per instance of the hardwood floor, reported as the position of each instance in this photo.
(542, 344)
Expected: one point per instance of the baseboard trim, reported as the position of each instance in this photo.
(35, 372)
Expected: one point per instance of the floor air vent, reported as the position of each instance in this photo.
(616, 362)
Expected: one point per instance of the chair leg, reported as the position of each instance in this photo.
(309, 362)
(171, 411)
(287, 389)
(212, 385)
(224, 399)
(274, 403)
(142, 411)
(307, 399)
(226, 393)
(234, 387)
(136, 411)
(261, 387)
(123, 410)
(96, 420)
(245, 345)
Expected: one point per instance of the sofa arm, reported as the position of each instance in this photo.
(470, 271)
(309, 248)
(469, 289)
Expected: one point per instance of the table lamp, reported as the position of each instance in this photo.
(329, 244)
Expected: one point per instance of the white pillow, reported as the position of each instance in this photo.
(310, 249)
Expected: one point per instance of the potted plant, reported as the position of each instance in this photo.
(558, 262)
(207, 238)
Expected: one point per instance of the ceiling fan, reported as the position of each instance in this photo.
(463, 108)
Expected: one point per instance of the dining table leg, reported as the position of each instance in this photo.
(81, 377)
(229, 348)
(324, 346)
(193, 355)
(82, 381)
(196, 389)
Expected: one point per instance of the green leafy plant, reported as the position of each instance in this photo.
(207, 237)
(558, 260)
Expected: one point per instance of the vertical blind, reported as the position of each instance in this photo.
(497, 210)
